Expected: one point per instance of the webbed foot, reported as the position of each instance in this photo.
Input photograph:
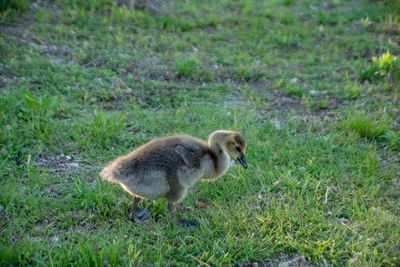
(187, 224)
(140, 216)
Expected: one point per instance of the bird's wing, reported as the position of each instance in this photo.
(193, 147)
(189, 153)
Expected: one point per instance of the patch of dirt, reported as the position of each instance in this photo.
(146, 68)
(112, 104)
(150, 68)
(55, 190)
(59, 163)
(21, 29)
(146, 99)
(281, 104)
(156, 7)
(54, 50)
(82, 225)
(281, 260)
(20, 32)
(6, 80)
(65, 166)
(17, 30)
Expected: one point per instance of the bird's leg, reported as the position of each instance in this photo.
(137, 214)
(132, 213)
(172, 207)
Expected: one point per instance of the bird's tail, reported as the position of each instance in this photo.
(107, 174)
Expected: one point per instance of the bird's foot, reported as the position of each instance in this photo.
(140, 216)
(187, 224)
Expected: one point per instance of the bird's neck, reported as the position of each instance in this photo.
(216, 139)
(220, 158)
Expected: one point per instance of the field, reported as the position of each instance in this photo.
(313, 85)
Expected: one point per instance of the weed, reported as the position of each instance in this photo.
(104, 127)
(294, 89)
(313, 103)
(366, 22)
(248, 72)
(393, 139)
(353, 89)
(320, 104)
(280, 83)
(39, 114)
(188, 66)
(386, 65)
(41, 105)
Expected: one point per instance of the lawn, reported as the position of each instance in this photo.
(313, 85)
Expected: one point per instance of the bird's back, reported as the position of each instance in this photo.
(163, 154)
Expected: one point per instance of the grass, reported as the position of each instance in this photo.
(313, 86)
(370, 127)
(312, 103)
(188, 67)
(353, 89)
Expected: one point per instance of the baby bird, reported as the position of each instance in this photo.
(168, 167)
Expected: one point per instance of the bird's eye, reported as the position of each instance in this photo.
(238, 148)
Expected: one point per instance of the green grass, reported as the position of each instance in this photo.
(316, 104)
(313, 86)
(367, 126)
(353, 90)
(188, 67)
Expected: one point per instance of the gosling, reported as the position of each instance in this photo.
(168, 167)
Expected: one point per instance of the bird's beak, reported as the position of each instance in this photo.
(242, 160)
